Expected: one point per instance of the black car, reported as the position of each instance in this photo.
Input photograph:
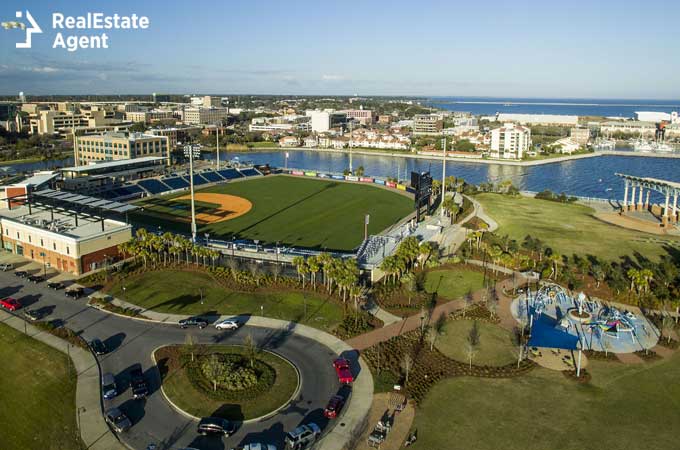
(55, 285)
(98, 347)
(21, 273)
(193, 322)
(216, 425)
(36, 279)
(74, 292)
(35, 314)
(138, 383)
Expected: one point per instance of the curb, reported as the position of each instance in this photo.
(253, 420)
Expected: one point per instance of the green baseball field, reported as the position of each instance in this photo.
(301, 212)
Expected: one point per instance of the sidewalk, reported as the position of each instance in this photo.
(354, 418)
(93, 429)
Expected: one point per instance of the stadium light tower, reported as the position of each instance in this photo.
(443, 173)
(350, 149)
(217, 146)
(190, 149)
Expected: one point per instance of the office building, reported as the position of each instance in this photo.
(510, 141)
(114, 146)
(580, 135)
(424, 124)
(148, 116)
(202, 115)
(363, 116)
(322, 121)
(212, 102)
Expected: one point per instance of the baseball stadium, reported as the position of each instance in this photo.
(296, 211)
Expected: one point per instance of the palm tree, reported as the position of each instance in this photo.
(298, 262)
(314, 266)
(425, 249)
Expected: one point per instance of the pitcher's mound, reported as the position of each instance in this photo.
(228, 206)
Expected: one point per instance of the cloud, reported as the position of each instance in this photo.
(46, 69)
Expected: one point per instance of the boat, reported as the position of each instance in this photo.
(662, 147)
(642, 145)
(604, 144)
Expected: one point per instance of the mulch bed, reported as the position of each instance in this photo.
(673, 344)
(648, 355)
(584, 378)
(601, 356)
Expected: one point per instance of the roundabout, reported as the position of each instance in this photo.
(226, 381)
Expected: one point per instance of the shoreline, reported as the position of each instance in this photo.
(539, 162)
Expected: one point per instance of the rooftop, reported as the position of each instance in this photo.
(61, 223)
(114, 164)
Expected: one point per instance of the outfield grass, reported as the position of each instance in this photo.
(453, 283)
(179, 387)
(625, 407)
(179, 292)
(569, 228)
(37, 395)
(495, 343)
(298, 211)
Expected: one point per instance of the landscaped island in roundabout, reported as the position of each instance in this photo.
(237, 383)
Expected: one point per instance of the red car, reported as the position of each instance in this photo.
(10, 303)
(334, 407)
(343, 371)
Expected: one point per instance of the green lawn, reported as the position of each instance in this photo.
(299, 211)
(495, 343)
(569, 228)
(179, 292)
(623, 408)
(37, 395)
(453, 283)
(178, 386)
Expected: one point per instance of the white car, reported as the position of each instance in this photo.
(227, 324)
(6, 266)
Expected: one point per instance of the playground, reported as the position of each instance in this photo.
(561, 320)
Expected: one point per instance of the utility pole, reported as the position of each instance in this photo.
(190, 148)
(443, 174)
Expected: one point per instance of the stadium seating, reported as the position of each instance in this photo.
(212, 177)
(229, 174)
(249, 172)
(153, 186)
(198, 180)
(176, 182)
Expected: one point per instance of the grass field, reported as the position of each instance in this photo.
(178, 386)
(453, 283)
(37, 395)
(294, 211)
(495, 343)
(569, 228)
(179, 292)
(625, 407)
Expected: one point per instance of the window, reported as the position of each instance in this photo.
(68, 250)
(54, 246)
(41, 243)
(29, 238)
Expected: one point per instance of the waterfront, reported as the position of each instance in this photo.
(579, 107)
(589, 177)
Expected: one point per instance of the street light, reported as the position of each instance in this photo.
(207, 239)
(42, 254)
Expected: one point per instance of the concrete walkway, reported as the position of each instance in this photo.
(356, 413)
(93, 429)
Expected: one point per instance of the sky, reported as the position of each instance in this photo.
(522, 48)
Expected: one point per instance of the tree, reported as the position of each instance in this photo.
(313, 266)
(431, 336)
(190, 345)
(406, 365)
(214, 369)
(667, 325)
(472, 342)
(251, 349)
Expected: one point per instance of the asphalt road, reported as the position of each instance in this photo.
(132, 342)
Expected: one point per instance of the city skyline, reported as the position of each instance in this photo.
(530, 50)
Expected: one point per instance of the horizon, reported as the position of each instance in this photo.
(527, 50)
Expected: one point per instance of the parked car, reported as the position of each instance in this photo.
(216, 425)
(193, 322)
(140, 389)
(36, 278)
(256, 446)
(343, 371)
(109, 388)
(35, 314)
(55, 285)
(302, 437)
(74, 293)
(118, 420)
(10, 303)
(227, 324)
(334, 407)
(6, 266)
(98, 347)
(21, 273)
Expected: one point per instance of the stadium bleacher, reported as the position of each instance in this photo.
(212, 177)
(198, 180)
(176, 182)
(153, 186)
(229, 174)
(249, 172)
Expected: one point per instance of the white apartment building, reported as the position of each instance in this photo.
(428, 124)
(283, 124)
(322, 121)
(200, 115)
(510, 141)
